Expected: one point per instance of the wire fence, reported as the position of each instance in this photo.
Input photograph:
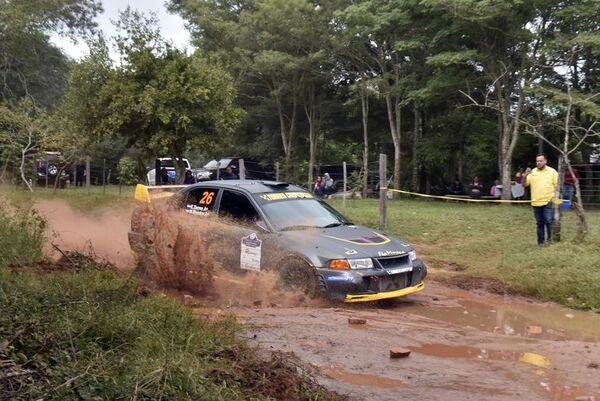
(50, 171)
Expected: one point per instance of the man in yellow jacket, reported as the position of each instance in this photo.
(543, 181)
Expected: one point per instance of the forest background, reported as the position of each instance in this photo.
(446, 88)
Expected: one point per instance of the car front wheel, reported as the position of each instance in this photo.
(297, 275)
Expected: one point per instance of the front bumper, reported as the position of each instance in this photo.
(384, 295)
(374, 284)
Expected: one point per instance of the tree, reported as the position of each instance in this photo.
(160, 99)
(29, 64)
(22, 129)
(503, 39)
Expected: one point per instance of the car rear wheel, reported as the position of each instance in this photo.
(297, 275)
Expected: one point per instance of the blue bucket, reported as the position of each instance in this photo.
(566, 204)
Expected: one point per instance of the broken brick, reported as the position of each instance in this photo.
(399, 352)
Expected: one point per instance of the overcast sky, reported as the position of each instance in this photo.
(171, 26)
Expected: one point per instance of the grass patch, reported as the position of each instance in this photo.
(90, 334)
(496, 241)
(21, 234)
(76, 197)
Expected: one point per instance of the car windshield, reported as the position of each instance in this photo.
(298, 214)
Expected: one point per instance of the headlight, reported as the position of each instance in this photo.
(412, 255)
(361, 263)
(347, 264)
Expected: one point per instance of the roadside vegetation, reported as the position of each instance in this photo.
(495, 241)
(78, 329)
(77, 197)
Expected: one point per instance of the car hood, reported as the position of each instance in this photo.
(323, 244)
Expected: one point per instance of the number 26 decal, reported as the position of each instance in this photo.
(207, 198)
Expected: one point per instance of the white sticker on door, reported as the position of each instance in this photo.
(250, 253)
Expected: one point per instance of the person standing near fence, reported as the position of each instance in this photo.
(543, 182)
(569, 183)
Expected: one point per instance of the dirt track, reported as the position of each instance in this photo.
(464, 346)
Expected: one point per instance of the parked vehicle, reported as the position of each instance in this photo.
(167, 164)
(254, 170)
(48, 167)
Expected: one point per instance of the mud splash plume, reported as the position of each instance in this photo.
(200, 255)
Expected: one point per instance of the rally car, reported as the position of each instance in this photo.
(312, 247)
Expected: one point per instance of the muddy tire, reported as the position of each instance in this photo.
(297, 275)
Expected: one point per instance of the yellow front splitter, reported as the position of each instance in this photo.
(384, 295)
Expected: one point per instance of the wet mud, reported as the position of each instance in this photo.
(464, 345)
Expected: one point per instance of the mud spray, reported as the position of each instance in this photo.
(201, 255)
(102, 232)
(197, 255)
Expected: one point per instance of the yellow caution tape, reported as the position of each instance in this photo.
(458, 199)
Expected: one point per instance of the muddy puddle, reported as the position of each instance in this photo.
(452, 351)
(359, 379)
(543, 321)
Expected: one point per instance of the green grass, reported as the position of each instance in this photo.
(81, 330)
(496, 241)
(92, 335)
(77, 197)
(21, 234)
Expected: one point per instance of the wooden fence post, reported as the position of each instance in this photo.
(382, 190)
(242, 170)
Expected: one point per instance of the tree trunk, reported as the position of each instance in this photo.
(24, 152)
(556, 211)
(311, 109)
(500, 135)
(394, 118)
(364, 101)
(582, 225)
(415, 147)
(511, 126)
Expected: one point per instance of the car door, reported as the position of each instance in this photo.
(247, 246)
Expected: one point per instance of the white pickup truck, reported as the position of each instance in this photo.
(166, 163)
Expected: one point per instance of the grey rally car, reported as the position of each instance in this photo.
(312, 247)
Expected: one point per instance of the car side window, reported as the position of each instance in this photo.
(238, 207)
(201, 201)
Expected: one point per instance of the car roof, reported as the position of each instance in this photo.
(251, 186)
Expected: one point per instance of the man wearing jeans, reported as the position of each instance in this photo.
(543, 181)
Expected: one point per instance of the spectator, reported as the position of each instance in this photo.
(496, 189)
(517, 189)
(569, 183)
(79, 175)
(456, 188)
(189, 178)
(164, 177)
(318, 186)
(476, 188)
(327, 185)
(228, 174)
(543, 182)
